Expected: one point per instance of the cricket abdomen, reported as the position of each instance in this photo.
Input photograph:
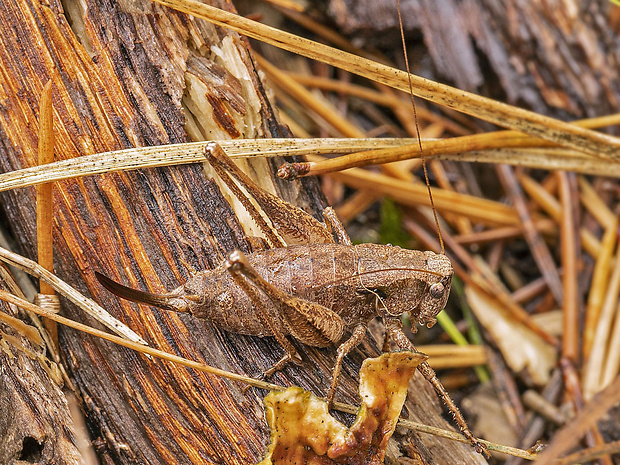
(318, 273)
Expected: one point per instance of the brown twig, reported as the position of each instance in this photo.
(539, 248)
(588, 455)
(537, 403)
(535, 427)
(530, 290)
(552, 207)
(544, 226)
(593, 436)
(45, 201)
(570, 305)
(507, 391)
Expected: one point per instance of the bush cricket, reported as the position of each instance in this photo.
(320, 293)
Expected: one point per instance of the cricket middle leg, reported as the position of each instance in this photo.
(359, 332)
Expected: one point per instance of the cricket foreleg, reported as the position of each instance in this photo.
(343, 349)
(394, 332)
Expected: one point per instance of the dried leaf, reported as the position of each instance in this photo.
(303, 431)
(520, 346)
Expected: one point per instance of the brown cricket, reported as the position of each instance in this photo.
(320, 294)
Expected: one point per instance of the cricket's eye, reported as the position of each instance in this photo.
(437, 290)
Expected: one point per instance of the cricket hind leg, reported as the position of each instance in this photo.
(224, 167)
(308, 322)
(394, 332)
(290, 352)
(289, 225)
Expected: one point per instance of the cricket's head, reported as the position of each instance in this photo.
(437, 289)
(407, 281)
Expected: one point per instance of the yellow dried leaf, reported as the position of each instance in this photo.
(303, 431)
(521, 347)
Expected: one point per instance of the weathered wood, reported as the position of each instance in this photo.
(120, 73)
(559, 59)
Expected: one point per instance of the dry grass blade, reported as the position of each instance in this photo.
(570, 249)
(564, 134)
(89, 306)
(592, 378)
(599, 286)
(177, 154)
(543, 158)
(383, 98)
(309, 100)
(612, 361)
(395, 148)
(395, 102)
(594, 204)
(448, 150)
(475, 208)
(503, 147)
(442, 356)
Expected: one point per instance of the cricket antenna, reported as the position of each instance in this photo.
(417, 127)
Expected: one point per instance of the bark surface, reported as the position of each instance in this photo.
(129, 73)
(556, 58)
(35, 425)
